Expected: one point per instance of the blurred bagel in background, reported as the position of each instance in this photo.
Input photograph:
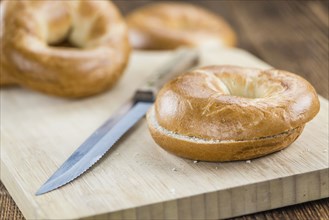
(95, 61)
(168, 25)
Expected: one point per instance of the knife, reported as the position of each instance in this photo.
(121, 121)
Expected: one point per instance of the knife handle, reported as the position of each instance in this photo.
(183, 60)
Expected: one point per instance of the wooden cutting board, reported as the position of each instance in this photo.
(136, 180)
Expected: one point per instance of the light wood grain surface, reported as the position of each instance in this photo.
(290, 35)
(138, 178)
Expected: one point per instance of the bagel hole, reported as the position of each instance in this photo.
(66, 43)
(240, 88)
(251, 87)
(257, 88)
(244, 95)
(248, 90)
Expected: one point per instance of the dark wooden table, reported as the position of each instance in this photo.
(289, 35)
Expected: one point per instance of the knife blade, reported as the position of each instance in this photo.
(121, 121)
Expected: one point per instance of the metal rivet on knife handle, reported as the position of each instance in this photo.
(182, 61)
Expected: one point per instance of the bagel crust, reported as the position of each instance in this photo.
(168, 25)
(95, 28)
(225, 113)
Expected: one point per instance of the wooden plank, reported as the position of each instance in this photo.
(136, 180)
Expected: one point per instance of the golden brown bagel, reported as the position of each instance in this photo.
(225, 113)
(170, 25)
(95, 28)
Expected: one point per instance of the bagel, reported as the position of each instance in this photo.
(162, 26)
(30, 29)
(227, 113)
